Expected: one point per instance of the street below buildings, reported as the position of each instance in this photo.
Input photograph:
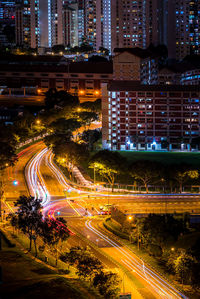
(82, 212)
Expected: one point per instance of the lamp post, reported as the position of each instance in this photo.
(1, 196)
(94, 175)
(36, 122)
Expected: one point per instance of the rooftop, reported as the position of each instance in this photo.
(117, 85)
(142, 53)
(74, 67)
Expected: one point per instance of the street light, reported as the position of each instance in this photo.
(96, 92)
(94, 175)
(97, 240)
(81, 92)
(38, 122)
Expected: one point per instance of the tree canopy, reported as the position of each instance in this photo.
(61, 99)
(146, 171)
(108, 164)
(65, 126)
(7, 147)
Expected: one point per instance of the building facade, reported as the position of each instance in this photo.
(81, 78)
(44, 24)
(7, 10)
(144, 117)
(119, 23)
(27, 24)
(135, 64)
(179, 27)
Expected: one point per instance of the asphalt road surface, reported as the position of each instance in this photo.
(45, 180)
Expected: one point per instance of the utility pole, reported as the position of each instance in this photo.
(138, 239)
(94, 175)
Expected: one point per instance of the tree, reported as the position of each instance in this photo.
(108, 164)
(195, 143)
(159, 230)
(8, 156)
(87, 265)
(107, 284)
(97, 58)
(146, 171)
(196, 249)
(29, 218)
(54, 232)
(92, 106)
(58, 48)
(90, 137)
(164, 144)
(13, 219)
(184, 266)
(57, 139)
(61, 99)
(104, 50)
(70, 154)
(7, 147)
(50, 98)
(71, 258)
(65, 126)
(182, 173)
(87, 117)
(85, 47)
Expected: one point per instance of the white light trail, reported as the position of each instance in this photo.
(155, 281)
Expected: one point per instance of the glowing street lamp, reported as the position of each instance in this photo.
(81, 92)
(96, 92)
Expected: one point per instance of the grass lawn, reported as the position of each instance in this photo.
(163, 157)
(25, 278)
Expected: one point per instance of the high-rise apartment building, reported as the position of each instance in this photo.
(27, 25)
(55, 22)
(47, 23)
(81, 21)
(70, 25)
(113, 23)
(91, 10)
(178, 26)
(149, 117)
(187, 27)
(120, 23)
(7, 10)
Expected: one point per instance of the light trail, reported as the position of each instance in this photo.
(35, 180)
(152, 278)
(37, 187)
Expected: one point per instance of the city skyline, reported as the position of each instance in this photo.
(107, 23)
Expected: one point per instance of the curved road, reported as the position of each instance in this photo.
(42, 176)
